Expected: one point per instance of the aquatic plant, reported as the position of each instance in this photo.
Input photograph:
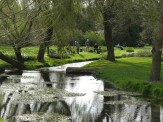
(113, 92)
(129, 102)
(16, 87)
(43, 117)
(30, 93)
(32, 98)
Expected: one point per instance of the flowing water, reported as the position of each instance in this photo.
(49, 95)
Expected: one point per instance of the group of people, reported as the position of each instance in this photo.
(87, 46)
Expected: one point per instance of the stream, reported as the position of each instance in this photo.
(49, 95)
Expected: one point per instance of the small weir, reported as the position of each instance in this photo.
(49, 95)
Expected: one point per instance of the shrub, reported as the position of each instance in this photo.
(144, 53)
(156, 92)
(28, 58)
(129, 49)
(146, 90)
(136, 86)
(132, 54)
(59, 56)
(94, 37)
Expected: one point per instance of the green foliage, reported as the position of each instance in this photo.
(60, 56)
(129, 49)
(131, 54)
(156, 91)
(147, 33)
(144, 53)
(146, 89)
(94, 37)
(128, 25)
(78, 36)
(84, 23)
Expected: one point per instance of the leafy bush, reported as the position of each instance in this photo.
(144, 53)
(157, 92)
(129, 49)
(132, 54)
(94, 37)
(59, 56)
(28, 58)
(147, 89)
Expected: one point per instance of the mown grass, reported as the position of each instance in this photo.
(30, 56)
(130, 74)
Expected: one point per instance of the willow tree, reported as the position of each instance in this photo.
(16, 19)
(45, 20)
(58, 16)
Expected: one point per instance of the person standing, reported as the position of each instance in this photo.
(77, 46)
(87, 45)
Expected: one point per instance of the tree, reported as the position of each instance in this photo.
(110, 10)
(46, 13)
(16, 20)
(157, 43)
(59, 17)
(107, 9)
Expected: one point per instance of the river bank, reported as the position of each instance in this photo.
(130, 74)
(32, 63)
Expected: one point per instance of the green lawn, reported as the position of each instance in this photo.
(30, 55)
(130, 74)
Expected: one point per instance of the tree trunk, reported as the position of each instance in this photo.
(108, 37)
(157, 50)
(18, 55)
(11, 61)
(156, 64)
(40, 56)
(44, 45)
(48, 50)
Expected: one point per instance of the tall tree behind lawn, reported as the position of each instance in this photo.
(107, 9)
(110, 10)
(157, 43)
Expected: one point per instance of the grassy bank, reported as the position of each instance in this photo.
(30, 57)
(30, 54)
(130, 74)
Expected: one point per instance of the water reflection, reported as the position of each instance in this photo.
(88, 108)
